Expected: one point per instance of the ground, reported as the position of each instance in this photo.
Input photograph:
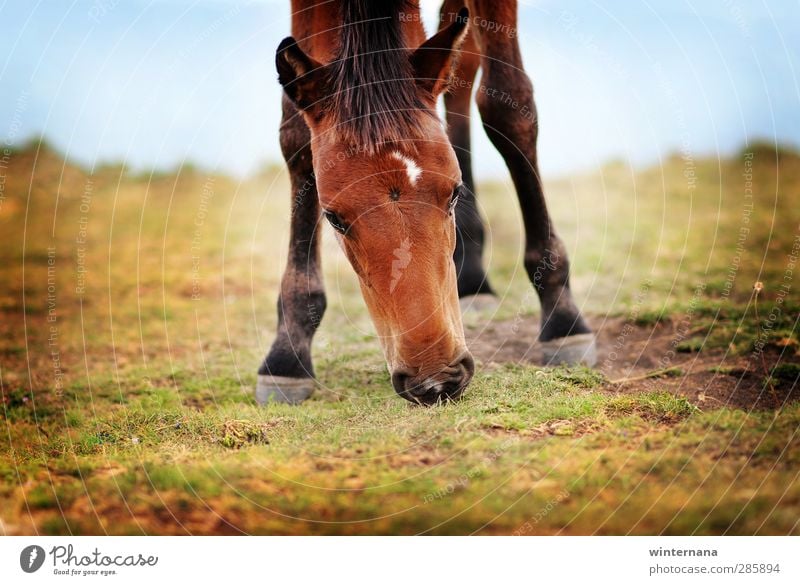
(135, 307)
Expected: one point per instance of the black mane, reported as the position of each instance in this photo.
(374, 98)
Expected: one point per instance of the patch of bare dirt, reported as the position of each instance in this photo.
(552, 428)
(639, 359)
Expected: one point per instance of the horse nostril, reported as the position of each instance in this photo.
(400, 379)
(467, 363)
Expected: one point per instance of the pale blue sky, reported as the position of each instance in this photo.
(156, 82)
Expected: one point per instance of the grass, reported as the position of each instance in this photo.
(127, 406)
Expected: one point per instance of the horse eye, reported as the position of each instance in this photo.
(454, 197)
(335, 221)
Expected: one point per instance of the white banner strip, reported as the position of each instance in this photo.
(402, 560)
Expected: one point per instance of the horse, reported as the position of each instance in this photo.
(366, 151)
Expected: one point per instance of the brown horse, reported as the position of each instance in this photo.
(366, 150)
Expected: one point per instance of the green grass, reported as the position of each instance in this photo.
(150, 426)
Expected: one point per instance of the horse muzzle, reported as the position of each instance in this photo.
(428, 389)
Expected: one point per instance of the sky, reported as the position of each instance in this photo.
(156, 83)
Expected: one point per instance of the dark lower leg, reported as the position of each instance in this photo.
(468, 255)
(505, 101)
(302, 297)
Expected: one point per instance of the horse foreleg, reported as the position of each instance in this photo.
(468, 255)
(505, 101)
(287, 374)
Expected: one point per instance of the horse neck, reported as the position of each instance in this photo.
(316, 24)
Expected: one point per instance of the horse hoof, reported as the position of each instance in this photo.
(282, 389)
(478, 303)
(570, 350)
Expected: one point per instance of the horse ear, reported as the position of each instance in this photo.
(433, 61)
(301, 76)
